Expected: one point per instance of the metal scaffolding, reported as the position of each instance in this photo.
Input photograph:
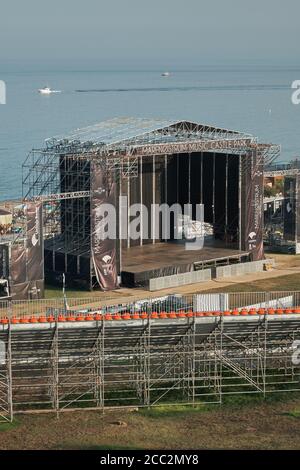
(129, 355)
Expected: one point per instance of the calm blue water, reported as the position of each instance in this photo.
(254, 100)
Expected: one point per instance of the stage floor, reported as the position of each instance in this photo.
(151, 257)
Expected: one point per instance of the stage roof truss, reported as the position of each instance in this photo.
(118, 144)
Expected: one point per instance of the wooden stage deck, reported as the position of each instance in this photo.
(140, 263)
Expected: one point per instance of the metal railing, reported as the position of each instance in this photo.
(168, 303)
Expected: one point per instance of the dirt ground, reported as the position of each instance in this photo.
(261, 425)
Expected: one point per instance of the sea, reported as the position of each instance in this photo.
(252, 99)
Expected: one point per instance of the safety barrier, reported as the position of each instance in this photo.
(243, 268)
(181, 279)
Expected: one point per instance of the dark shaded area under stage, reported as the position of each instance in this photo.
(141, 263)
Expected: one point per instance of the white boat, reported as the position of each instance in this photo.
(47, 91)
(165, 74)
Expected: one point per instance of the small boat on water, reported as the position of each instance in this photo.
(47, 91)
(165, 74)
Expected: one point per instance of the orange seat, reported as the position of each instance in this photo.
(108, 317)
(216, 313)
(34, 319)
(80, 318)
(126, 316)
(287, 310)
(50, 318)
(226, 313)
(163, 315)
(235, 312)
(42, 319)
(243, 311)
(252, 311)
(279, 311)
(297, 309)
(4, 321)
(136, 316)
(189, 314)
(117, 316)
(15, 320)
(261, 311)
(89, 317)
(70, 318)
(199, 314)
(154, 315)
(98, 316)
(172, 315)
(144, 315)
(181, 314)
(61, 318)
(271, 311)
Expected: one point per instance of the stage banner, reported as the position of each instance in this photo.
(18, 264)
(35, 255)
(252, 228)
(4, 261)
(297, 217)
(289, 208)
(103, 245)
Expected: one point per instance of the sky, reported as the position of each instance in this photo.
(147, 34)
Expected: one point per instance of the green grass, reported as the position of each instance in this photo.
(7, 426)
(237, 401)
(169, 411)
(52, 292)
(233, 402)
(293, 414)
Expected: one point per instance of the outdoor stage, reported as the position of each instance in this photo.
(141, 263)
(134, 165)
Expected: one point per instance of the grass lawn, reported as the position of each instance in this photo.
(52, 292)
